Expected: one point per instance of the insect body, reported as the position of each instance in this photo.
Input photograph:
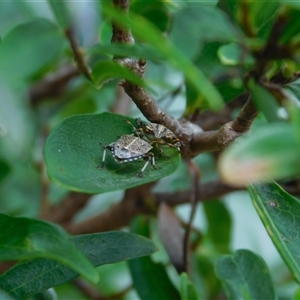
(156, 134)
(129, 148)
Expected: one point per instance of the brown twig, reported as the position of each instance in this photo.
(140, 200)
(45, 184)
(118, 216)
(92, 293)
(195, 176)
(122, 103)
(195, 140)
(81, 64)
(245, 21)
(272, 50)
(65, 211)
(121, 34)
(53, 85)
(207, 191)
(245, 118)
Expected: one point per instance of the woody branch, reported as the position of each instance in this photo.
(194, 138)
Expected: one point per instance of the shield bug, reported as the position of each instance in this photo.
(129, 148)
(156, 134)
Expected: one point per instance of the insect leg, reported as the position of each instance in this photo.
(103, 158)
(107, 147)
(136, 131)
(151, 159)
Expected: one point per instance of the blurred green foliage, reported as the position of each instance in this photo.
(200, 56)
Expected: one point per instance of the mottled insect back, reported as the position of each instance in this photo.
(156, 134)
(129, 148)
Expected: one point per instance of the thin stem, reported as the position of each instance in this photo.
(81, 64)
(245, 118)
(195, 175)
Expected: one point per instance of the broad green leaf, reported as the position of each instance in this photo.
(294, 4)
(204, 276)
(280, 213)
(73, 155)
(245, 275)
(18, 132)
(22, 186)
(296, 295)
(232, 54)
(262, 15)
(31, 277)
(105, 71)
(189, 37)
(228, 79)
(209, 62)
(61, 11)
(148, 32)
(155, 11)
(4, 169)
(42, 45)
(294, 87)
(291, 13)
(13, 13)
(295, 116)
(259, 15)
(150, 279)
(219, 225)
(126, 50)
(268, 153)
(264, 101)
(231, 89)
(187, 289)
(293, 106)
(23, 238)
(5, 296)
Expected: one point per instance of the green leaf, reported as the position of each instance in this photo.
(293, 106)
(231, 88)
(259, 15)
(280, 212)
(4, 169)
(31, 277)
(155, 11)
(204, 276)
(187, 289)
(291, 13)
(296, 295)
(294, 88)
(107, 70)
(264, 101)
(189, 36)
(150, 279)
(42, 45)
(295, 120)
(148, 32)
(13, 13)
(4, 296)
(233, 54)
(73, 154)
(22, 238)
(61, 11)
(262, 15)
(219, 225)
(245, 275)
(228, 79)
(126, 50)
(269, 153)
